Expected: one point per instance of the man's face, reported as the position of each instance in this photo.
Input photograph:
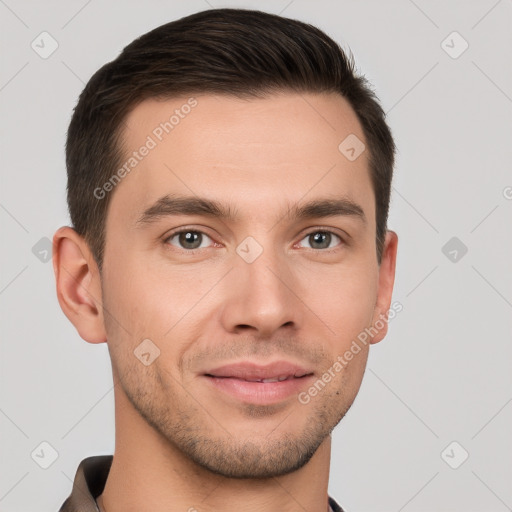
(262, 293)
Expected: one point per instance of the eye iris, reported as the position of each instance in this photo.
(321, 238)
(190, 237)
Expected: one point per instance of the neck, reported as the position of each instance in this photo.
(148, 473)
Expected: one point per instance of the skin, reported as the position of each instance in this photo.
(297, 302)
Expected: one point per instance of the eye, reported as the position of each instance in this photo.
(192, 239)
(188, 239)
(321, 239)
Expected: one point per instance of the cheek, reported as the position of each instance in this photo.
(156, 304)
(343, 297)
(144, 301)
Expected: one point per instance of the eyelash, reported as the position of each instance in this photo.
(194, 251)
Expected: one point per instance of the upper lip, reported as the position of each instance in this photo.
(246, 370)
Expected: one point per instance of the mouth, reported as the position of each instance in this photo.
(281, 378)
(259, 384)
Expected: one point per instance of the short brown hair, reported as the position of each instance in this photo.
(229, 51)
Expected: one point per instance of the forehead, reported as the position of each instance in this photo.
(275, 150)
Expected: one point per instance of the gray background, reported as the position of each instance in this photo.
(442, 374)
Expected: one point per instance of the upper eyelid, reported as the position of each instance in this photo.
(172, 234)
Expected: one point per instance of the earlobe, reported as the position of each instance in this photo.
(385, 286)
(78, 284)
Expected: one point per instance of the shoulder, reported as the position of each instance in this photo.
(334, 506)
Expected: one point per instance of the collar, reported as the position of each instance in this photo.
(90, 480)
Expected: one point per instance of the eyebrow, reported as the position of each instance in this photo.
(169, 205)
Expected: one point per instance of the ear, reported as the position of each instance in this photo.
(78, 284)
(385, 285)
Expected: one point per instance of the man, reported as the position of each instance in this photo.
(228, 184)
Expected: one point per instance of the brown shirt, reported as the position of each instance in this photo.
(90, 480)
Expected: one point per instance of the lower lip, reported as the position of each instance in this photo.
(260, 392)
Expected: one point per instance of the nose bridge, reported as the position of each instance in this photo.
(260, 289)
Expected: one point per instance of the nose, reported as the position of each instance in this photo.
(261, 296)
